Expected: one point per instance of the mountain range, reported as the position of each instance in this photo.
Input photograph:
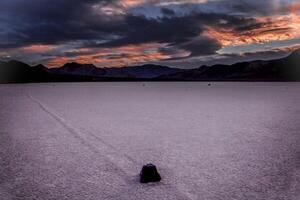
(284, 69)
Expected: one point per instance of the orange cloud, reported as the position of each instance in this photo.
(132, 3)
(57, 61)
(130, 59)
(114, 57)
(36, 48)
(276, 28)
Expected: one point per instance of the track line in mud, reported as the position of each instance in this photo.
(120, 162)
(125, 166)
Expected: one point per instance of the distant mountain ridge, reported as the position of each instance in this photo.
(78, 70)
(284, 69)
(143, 71)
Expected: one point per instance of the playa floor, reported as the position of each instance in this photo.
(89, 141)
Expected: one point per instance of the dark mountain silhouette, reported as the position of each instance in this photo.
(18, 72)
(144, 71)
(284, 69)
(79, 70)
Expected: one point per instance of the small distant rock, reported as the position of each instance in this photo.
(209, 84)
(149, 173)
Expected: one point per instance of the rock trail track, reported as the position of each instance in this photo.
(122, 164)
(88, 141)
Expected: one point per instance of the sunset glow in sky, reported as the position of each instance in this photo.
(116, 33)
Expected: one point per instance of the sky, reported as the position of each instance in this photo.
(177, 33)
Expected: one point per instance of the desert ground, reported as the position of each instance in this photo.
(89, 141)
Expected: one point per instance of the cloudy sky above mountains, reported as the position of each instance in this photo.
(181, 33)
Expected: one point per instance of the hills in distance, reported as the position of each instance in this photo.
(284, 69)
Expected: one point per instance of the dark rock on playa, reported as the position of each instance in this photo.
(149, 173)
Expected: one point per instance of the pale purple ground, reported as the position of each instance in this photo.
(228, 141)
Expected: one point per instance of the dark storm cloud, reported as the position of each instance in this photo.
(50, 22)
(178, 32)
(235, 7)
(201, 46)
(58, 21)
(179, 27)
(164, 30)
(167, 12)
